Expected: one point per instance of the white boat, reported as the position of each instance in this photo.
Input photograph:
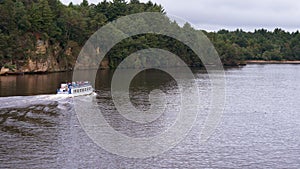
(75, 89)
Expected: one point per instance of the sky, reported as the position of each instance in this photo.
(213, 15)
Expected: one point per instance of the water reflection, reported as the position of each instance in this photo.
(24, 85)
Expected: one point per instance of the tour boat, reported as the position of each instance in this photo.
(75, 89)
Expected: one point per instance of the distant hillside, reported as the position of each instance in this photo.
(258, 45)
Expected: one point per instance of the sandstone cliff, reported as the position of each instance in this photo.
(45, 58)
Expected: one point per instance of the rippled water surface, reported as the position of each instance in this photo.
(260, 127)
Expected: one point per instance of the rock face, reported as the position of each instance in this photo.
(41, 47)
(44, 58)
(48, 57)
(104, 64)
(4, 71)
(48, 65)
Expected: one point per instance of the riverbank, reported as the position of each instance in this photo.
(272, 62)
(6, 71)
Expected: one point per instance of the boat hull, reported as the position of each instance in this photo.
(75, 94)
(75, 89)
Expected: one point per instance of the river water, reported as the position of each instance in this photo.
(260, 127)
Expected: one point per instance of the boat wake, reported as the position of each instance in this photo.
(22, 114)
(38, 126)
(25, 101)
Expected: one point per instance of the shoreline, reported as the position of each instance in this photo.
(272, 62)
(243, 64)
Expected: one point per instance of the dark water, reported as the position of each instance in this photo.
(32, 84)
(260, 127)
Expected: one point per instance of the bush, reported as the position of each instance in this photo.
(10, 66)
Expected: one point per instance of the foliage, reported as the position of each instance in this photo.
(258, 45)
(25, 22)
(10, 66)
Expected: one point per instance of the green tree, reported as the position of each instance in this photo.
(41, 18)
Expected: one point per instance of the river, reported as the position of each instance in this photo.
(260, 126)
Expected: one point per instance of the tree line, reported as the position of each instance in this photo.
(258, 45)
(24, 22)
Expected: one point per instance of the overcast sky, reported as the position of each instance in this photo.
(248, 15)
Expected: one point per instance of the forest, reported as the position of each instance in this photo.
(258, 45)
(39, 30)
